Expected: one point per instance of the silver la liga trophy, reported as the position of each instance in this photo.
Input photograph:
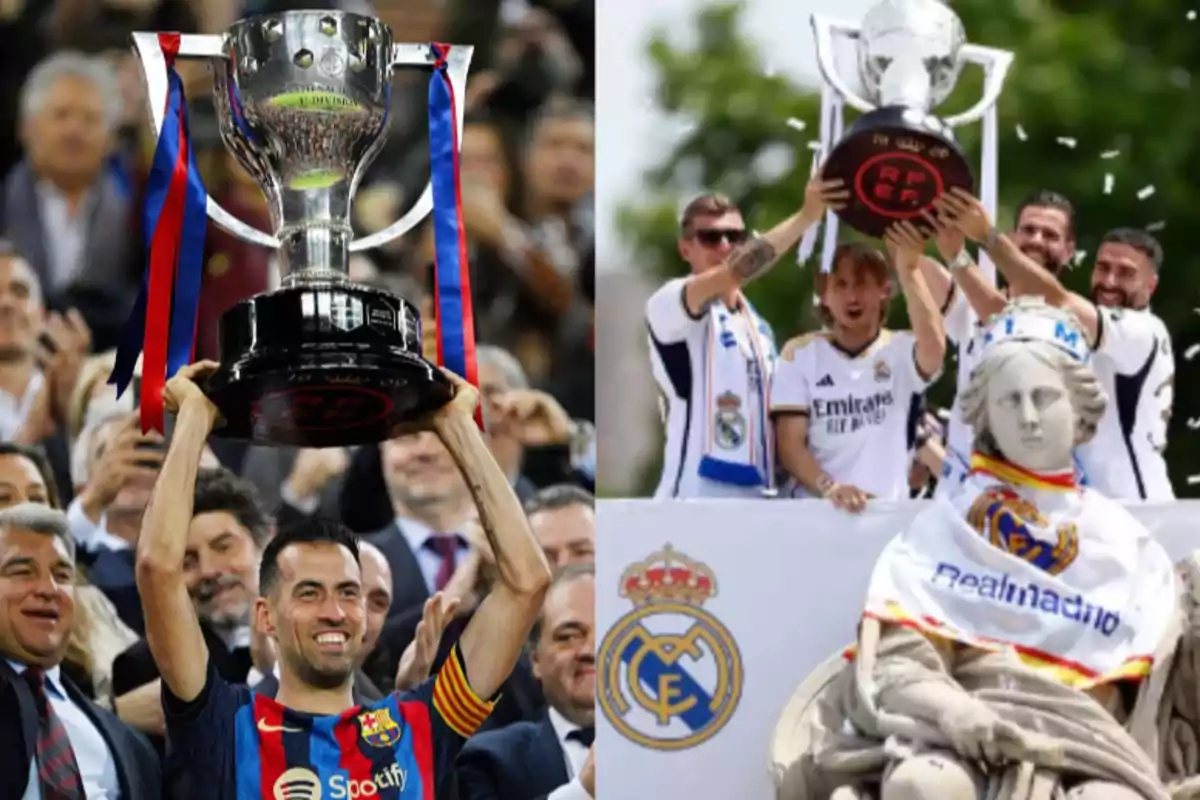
(898, 157)
(303, 100)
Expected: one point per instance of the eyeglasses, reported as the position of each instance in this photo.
(711, 237)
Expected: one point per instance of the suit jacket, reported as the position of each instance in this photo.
(105, 286)
(138, 769)
(365, 690)
(135, 667)
(520, 762)
(408, 582)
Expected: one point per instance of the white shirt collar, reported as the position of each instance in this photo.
(562, 726)
(416, 533)
(53, 675)
(234, 637)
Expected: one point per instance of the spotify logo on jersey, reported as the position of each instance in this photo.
(299, 783)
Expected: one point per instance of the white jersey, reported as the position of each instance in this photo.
(677, 356)
(1135, 363)
(964, 330)
(861, 409)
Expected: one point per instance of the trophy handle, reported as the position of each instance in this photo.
(824, 30)
(154, 67)
(995, 65)
(458, 62)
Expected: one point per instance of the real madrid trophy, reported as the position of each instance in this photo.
(898, 157)
(303, 100)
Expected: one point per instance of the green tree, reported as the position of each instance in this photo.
(1111, 76)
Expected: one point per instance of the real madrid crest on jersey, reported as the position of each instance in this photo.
(378, 728)
(882, 371)
(670, 675)
(729, 424)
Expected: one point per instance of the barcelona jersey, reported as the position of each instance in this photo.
(239, 744)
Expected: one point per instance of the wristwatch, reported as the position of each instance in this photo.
(962, 260)
(825, 484)
(583, 439)
(993, 236)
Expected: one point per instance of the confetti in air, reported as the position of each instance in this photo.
(1108, 183)
(1107, 154)
(1079, 256)
(814, 145)
(1191, 16)
(1066, 141)
(1190, 353)
(1145, 192)
(1021, 134)
(1156, 226)
(796, 124)
(1193, 424)
(1193, 480)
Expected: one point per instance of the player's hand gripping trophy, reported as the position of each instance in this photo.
(303, 100)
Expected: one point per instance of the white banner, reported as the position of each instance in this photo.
(721, 608)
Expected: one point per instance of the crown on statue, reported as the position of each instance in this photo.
(1030, 319)
(668, 576)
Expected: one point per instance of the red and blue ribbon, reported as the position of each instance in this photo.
(162, 326)
(451, 267)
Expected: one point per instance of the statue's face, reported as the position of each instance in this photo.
(1030, 414)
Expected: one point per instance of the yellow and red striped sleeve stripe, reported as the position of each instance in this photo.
(460, 708)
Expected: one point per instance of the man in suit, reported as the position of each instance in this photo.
(62, 206)
(563, 520)
(551, 757)
(224, 542)
(53, 741)
(377, 590)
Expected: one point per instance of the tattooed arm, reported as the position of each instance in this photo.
(757, 255)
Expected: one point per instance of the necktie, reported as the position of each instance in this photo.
(445, 547)
(584, 736)
(58, 772)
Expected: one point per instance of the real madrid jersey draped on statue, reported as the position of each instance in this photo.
(1064, 576)
(713, 373)
(861, 408)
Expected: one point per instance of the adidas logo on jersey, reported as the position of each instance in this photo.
(826, 381)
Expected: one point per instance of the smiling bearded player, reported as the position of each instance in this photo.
(311, 741)
(1014, 636)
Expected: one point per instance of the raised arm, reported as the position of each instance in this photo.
(1025, 275)
(172, 629)
(904, 245)
(493, 638)
(758, 254)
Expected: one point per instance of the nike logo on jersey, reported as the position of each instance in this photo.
(826, 381)
(263, 727)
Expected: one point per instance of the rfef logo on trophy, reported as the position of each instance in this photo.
(670, 674)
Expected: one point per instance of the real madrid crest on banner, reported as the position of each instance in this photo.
(670, 674)
(729, 424)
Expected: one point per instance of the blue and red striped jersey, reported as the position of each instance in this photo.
(238, 744)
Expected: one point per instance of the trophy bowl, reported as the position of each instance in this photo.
(896, 161)
(897, 158)
(303, 100)
(322, 366)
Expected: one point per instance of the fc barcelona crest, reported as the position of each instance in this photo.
(378, 728)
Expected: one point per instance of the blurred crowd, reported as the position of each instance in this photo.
(75, 161)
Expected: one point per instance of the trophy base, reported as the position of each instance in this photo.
(323, 365)
(896, 161)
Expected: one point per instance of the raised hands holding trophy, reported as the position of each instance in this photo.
(303, 100)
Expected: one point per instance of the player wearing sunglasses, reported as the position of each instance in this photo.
(712, 355)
